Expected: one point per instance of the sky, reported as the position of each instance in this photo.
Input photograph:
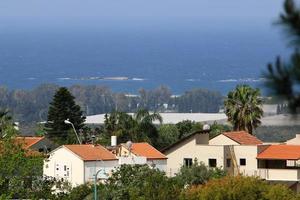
(136, 12)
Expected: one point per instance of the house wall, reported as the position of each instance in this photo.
(189, 149)
(124, 152)
(249, 152)
(222, 140)
(64, 164)
(91, 167)
(158, 164)
(295, 140)
(132, 160)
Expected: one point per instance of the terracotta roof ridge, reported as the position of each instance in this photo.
(38, 138)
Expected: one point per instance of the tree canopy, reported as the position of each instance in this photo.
(243, 107)
(63, 107)
(283, 77)
(137, 128)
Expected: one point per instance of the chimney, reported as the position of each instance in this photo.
(113, 140)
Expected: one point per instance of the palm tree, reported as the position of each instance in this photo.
(137, 128)
(145, 125)
(243, 107)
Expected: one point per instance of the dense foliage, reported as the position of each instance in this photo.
(140, 182)
(283, 77)
(32, 105)
(237, 188)
(63, 107)
(140, 128)
(243, 107)
(198, 173)
(20, 169)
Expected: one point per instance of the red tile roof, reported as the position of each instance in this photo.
(242, 137)
(146, 150)
(88, 152)
(280, 152)
(28, 141)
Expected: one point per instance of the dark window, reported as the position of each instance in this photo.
(212, 162)
(65, 168)
(242, 161)
(41, 150)
(187, 162)
(228, 162)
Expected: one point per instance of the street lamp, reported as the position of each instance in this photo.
(95, 184)
(67, 121)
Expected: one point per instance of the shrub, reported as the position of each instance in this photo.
(140, 182)
(198, 173)
(237, 188)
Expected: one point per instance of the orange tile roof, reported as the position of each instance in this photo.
(28, 141)
(88, 152)
(280, 152)
(242, 137)
(146, 150)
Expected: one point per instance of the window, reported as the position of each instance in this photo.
(187, 162)
(242, 161)
(212, 162)
(228, 162)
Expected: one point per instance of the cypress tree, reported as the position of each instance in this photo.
(61, 108)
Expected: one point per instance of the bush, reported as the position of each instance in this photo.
(237, 188)
(198, 173)
(139, 182)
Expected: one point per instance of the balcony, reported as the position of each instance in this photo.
(279, 174)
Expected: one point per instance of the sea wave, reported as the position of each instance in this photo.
(192, 79)
(31, 78)
(243, 80)
(109, 78)
(64, 78)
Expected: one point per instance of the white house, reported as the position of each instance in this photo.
(78, 164)
(233, 151)
(153, 157)
(280, 163)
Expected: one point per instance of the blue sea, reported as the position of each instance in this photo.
(127, 59)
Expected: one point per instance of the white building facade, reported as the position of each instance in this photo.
(223, 151)
(78, 164)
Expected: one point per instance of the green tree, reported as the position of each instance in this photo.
(186, 127)
(216, 129)
(20, 169)
(136, 128)
(238, 187)
(146, 129)
(198, 173)
(168, 134)
(283, 78)
(122, 125)
(243, 107)
(61, 108)
(140, 182)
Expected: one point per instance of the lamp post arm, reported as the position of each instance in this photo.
(76, 133)
(95, 184)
